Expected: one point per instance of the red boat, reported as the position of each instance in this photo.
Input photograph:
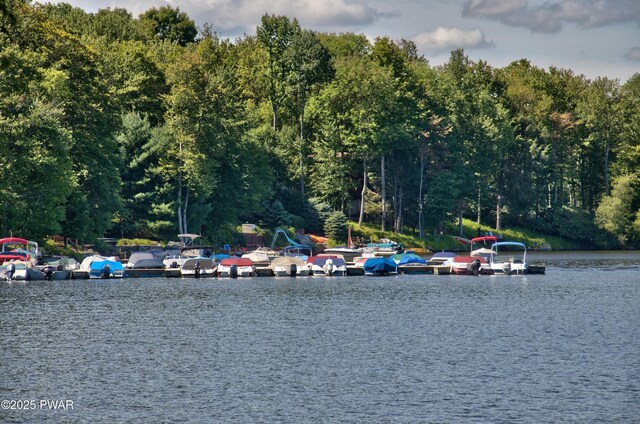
(470, 265)
(16, 248)
(478, 261)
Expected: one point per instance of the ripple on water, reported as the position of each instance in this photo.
(550, 348)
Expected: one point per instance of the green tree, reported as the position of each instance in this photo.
(310, 65)
(617, 212)
(167, 23)
(276, 34)
(335, 227)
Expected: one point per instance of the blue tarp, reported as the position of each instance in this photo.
(379, 266)
(99, 265)
(408, 258)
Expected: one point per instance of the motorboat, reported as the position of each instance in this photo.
(385, 247)
(327, 265)
(509, 257)
(198, 267)
(380, 266)
(16, 248)
(410, 263)
(347, 253)
(104, 269)
(289, 266)
(259, 258)
(236, 267)
(469, 265)
(22, 271)
(144, 264)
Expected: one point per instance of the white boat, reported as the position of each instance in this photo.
(508, 258)
(236, 267)
(20, 271)
(327, 265)
(174, 261)
(289, 266)
(349, 254)
(198, 267)
(259, 258)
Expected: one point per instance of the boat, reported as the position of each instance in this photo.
(144, 264)
(348, 253)
(192, 250)
(57, 267)
(289, 266)
(469, 265)
(303, 252)
(236, 267)
(198, 267)
(380, 266)
(440, 262)
(410, 263)
(327, 265)
(481, 246)
(22, 271)
(16, 248)
(509, 257)
(106, 269)
(441, 258)
(477, 262)
(259, 258)
(385, 247)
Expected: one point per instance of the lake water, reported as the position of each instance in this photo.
(560, 347)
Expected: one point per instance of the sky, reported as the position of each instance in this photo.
(595, 38)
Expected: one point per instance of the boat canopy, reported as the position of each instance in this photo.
(517, 244)
(288, 260)
(234, 260)
(152, 263)
(321, 260)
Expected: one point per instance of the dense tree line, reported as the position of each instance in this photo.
(146, 126)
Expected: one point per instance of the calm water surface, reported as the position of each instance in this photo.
(560, 347)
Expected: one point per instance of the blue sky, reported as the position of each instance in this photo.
(591, 37)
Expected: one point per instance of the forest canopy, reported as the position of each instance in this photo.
(146, 127)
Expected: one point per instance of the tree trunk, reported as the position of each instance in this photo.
(420, 200)
(364, 189)
(302, 148)
(498, 208)
(180, 228)
(398, 217)
(606, 162)
(479, 210)
(383, 193)
(184, 211)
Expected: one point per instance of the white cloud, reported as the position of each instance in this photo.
(239, 16)
(633, 54)
(549, 17)
(442, 39)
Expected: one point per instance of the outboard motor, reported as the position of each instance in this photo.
(106, 271)
(233, 271)
(328, 267)
(11, 268)
(475, 266)
(293, 271)
(48, 271)
(196, 269)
